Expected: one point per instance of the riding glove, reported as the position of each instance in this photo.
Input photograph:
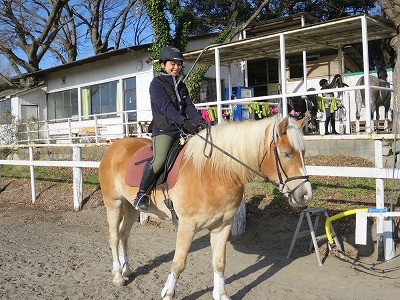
(189, 127)
(201, 124)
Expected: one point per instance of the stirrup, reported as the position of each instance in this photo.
(141, 202)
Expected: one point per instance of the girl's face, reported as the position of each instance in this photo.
(172, 67)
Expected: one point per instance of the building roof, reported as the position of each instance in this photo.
(282, 24)
(311, 38)
(91, 59)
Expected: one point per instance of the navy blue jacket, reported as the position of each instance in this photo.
(170, 106)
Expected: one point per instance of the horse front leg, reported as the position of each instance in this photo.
(184, 239)
(219, 238)
(386, 124)
(377, 120)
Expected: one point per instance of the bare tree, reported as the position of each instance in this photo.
(27, 31)
(105, 21)
(141, 27)
(64, 46)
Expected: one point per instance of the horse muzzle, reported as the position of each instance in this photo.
(301, 194)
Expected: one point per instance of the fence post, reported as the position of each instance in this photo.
(380, 198)
(77, 178)
(32, 172)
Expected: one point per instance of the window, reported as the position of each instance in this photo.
(130, 98)
(296, 71)
(100, 99)
(5, 112)
(208, 90)
(62, 104)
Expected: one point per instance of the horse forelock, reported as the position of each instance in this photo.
(243, 140)
(295, 135)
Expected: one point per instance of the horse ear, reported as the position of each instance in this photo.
(283, 125)
(302, 122)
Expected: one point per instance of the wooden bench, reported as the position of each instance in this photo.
(88, 134)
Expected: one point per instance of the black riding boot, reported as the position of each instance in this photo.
(142, 198)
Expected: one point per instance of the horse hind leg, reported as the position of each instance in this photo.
(184, 239)
(130, 215)
(114, 217)
(219, 239)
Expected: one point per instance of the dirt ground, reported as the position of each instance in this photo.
(48, 251)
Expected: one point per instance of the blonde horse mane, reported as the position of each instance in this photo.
(243, 140)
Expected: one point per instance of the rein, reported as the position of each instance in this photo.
(282, 183)
(206, 139)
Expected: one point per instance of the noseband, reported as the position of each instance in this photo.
(282, 185)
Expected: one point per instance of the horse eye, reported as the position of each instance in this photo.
(286, 154)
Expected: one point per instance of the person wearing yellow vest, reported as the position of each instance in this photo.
(330, 105)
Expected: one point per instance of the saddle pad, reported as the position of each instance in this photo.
(134, 173)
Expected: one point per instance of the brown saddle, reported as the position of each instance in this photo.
(134, 172)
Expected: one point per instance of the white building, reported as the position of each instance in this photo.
(108, 95)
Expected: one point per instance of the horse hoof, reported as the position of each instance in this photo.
(119, 283)
(127, 273)
(118, 279)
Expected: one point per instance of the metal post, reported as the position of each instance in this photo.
(69, 131)
(47, 128)
(218, 84)
(230, 90)
(77, 178)
(303, 23)
(244, 65)
(364, 33)
(283, 73)
(95, 130)
(340, 60)
(125, 122)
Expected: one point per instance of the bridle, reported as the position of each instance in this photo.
(282, 185)
(279, 170)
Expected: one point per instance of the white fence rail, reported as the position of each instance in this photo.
(378, 172)
(96, 128)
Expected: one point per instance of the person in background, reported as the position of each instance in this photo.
(330, 106)
(290, 108)
(173, 113)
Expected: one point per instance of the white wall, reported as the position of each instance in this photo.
(35, 96)
(121, 66)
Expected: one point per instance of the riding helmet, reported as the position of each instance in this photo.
(170, 53)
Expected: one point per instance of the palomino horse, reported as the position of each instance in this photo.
(377, 97)
(209, 190)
